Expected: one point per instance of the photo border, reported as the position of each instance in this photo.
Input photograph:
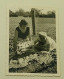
(57, 45)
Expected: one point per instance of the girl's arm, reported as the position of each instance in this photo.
(15, 40)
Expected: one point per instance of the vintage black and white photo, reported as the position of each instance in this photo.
(32, 41)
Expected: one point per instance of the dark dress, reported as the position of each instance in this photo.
(23, 35)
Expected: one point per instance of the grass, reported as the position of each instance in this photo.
(47, 25)
(42, 24)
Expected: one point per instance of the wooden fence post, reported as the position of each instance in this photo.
(33, 20)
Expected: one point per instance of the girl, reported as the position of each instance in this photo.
(22, 32)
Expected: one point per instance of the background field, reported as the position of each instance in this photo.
(47, 25)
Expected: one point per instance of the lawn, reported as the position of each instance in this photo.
(47, 25)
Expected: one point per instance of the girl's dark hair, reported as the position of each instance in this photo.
(23, 22)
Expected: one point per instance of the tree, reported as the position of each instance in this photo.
(51, 14)
(27, 14)
(37, 12)
(20, 12)
(12, 14)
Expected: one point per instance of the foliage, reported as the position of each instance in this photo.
(38, 13)
(12, 14)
